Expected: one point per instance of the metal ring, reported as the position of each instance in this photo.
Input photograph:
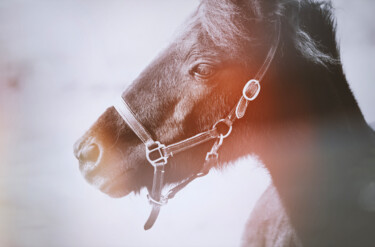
(163, 201)
(225, 121)
(245, 89)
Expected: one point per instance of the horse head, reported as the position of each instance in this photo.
(193, 83)
(198, 79)
(305, 125)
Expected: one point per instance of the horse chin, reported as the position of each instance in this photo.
(116, 189)
(115, 185)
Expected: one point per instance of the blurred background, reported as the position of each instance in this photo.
(61, 65)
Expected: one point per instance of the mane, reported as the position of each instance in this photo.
(230, 24)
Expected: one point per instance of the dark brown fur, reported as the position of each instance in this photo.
(305, 125)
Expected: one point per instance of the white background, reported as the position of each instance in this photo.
(61, 65)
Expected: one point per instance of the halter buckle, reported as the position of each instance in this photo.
(155, 155)
(228, 125)
(252, 87)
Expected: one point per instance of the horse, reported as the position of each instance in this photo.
(305, 125)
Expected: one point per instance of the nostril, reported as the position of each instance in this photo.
(89, 153)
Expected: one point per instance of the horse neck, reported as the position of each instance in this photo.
(315, 158)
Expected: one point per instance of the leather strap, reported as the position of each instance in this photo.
(155, 196)
(242, 104)
(250, 92)
(200, 138)
(152, 218)
(127, 114)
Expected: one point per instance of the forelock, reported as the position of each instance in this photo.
(225, 22)
(230, 24)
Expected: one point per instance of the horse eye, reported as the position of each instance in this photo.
(203, 70)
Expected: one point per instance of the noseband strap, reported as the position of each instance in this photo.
(126, 113)
(157, 153)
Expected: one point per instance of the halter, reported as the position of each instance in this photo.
(157, 154)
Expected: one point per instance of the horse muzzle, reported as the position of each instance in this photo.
(102, 168)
